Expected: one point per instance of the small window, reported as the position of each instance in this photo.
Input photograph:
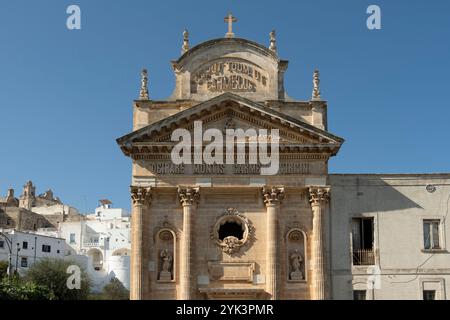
(25, 245)
(24, 262)
(359, 295)
(362, 241)
(2, 244)
(429, 295)
(57, 251)
(231, 229)
(8, 222)
(72, 238)
(46, 248)
(431, 235)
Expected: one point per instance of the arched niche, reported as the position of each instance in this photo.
(96, 259)
(166, 255)
(296, 255)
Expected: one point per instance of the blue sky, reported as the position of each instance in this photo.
(65, 96)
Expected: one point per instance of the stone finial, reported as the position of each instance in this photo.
(230, 19)
(185, 46)
(316, 88)
(143, 95)
(273, 41)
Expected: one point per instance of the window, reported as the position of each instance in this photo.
(431, 234)
(231, 229)
(24, 262)
(46, 248)
(359, 295)
(57, 251)
(25, 245)
(2, 244)
(429, 295)
(72, 238)
(362, 241)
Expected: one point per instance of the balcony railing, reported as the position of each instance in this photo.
(91, 244)
(364, 257)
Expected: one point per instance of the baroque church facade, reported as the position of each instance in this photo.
(227, 231)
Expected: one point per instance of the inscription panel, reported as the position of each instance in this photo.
(229, 75)
(285, 168)
(231, 271)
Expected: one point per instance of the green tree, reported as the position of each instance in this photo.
(115, 291)
(52, 274)
(3, 269)
(17, 289)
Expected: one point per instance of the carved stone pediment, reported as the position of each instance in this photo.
(229, 110)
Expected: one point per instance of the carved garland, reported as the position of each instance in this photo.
(231, 245)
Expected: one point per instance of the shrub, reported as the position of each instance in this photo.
(52, 274)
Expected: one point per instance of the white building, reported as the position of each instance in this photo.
(389, 236)
(26, 248)
(101, 243)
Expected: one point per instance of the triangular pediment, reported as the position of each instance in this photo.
(229, 111)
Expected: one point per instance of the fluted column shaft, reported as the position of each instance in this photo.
(272, 198)
(188, 199)
(141, 198)
(318, 199)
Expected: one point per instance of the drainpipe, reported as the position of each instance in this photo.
(35, 248)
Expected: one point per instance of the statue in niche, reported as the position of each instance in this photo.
(296, 264)
(166, 266)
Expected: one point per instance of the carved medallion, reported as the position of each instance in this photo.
(232, 232)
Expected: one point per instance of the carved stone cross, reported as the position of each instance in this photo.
(230, 19)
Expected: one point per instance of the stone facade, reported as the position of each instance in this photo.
(276, 249)
(227, 231)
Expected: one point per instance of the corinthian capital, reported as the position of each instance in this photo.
(272, 195)
(188, 195)
(318, 195)
(141, 195)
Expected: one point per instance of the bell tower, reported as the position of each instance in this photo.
(28, 196)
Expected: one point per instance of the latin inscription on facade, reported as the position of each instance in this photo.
(224, 75)
(166, 168)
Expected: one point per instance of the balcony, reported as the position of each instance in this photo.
(364, 257)
(91, 244)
